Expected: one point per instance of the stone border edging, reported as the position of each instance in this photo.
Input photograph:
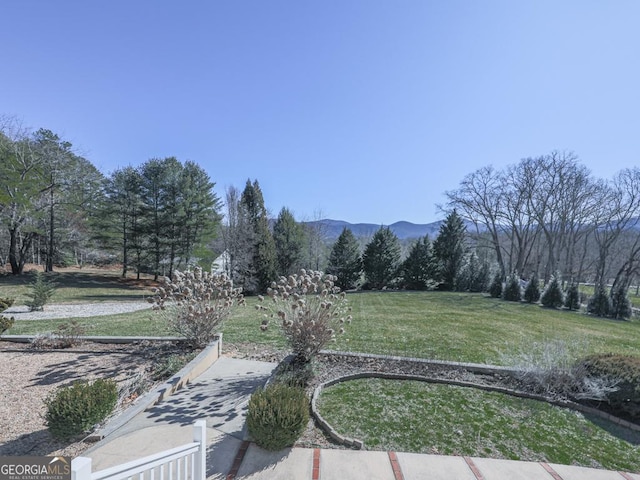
(191, 370)
(95, 339)
(359, 444)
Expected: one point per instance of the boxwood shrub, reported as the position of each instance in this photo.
(277, 415)
(75, 409)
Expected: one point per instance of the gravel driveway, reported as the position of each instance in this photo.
(74, 310)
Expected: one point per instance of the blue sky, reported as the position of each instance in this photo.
(365, 111)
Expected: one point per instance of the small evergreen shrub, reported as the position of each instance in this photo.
(532, 292)
(512, 291)
(620, 304)
(600, 303)
(75, 409)
(5, 303)
(277, 416)
(572, 297)
(495, 289)
(552, 295)
(625, 369)
(41, 292)
(6, 323)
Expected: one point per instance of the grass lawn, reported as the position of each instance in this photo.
(452, 326)
(441, 325)
(412, 416)
(80, 286)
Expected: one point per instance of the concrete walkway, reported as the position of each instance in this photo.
(220, 395)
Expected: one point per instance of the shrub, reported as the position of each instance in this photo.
(552, 295)
(5, 303)
(620, 304)
(75, 409)
(197, 303)
(512, 291)
(310, 308)
(41, 292)
(572, 297)
(277, 415)
(495, 289)
(532, 292)
(68, 334)
(551, 368)
(625, 370)
(6, 323)
(600, 303)
(170, 365)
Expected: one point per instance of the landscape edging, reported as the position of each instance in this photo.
(191, 370)
(359, 444)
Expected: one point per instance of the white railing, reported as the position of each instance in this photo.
(186, 462)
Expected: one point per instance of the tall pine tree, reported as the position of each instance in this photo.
(345, 261)
(288, 237)
(418, 269)
(263, 248)
(449, 249)
(381, 259)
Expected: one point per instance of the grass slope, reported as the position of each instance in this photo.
(452, 326)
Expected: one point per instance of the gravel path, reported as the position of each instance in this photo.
(74, 310)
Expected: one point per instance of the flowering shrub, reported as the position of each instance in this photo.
(197, 303)
(310, 308)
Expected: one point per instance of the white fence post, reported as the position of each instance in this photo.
(81, 468)
(200, 460)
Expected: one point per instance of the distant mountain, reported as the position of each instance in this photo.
(403, 230)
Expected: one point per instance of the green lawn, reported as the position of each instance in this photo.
(452, 326)
(412, 416)
(79, 286)
(441, 325)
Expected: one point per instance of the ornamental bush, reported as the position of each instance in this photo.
(620, 304)
(495, 289)
(532, 292)
(41, 292)
(572, 297)
(311, 310)
(625, 371)
(600, 303)
(552, 295)
(512, 291)
(75, 409)
(196, 303)
(277, 415)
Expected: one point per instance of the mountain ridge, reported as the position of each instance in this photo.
(402, 229)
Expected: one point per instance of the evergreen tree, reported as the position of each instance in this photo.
(288, 238)
(419, 269)
(572, 297)
(449, 249)
(345, 261)
(474, 275)
(532, 292)
(381, 259)
(620, 305)
(512, 291)
(495, 289)
(263, 248)
(600, 303)
(552, 295)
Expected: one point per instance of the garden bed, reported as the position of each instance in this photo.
(28, 377)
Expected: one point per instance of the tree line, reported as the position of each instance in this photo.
(542, 217)
(548, 215)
